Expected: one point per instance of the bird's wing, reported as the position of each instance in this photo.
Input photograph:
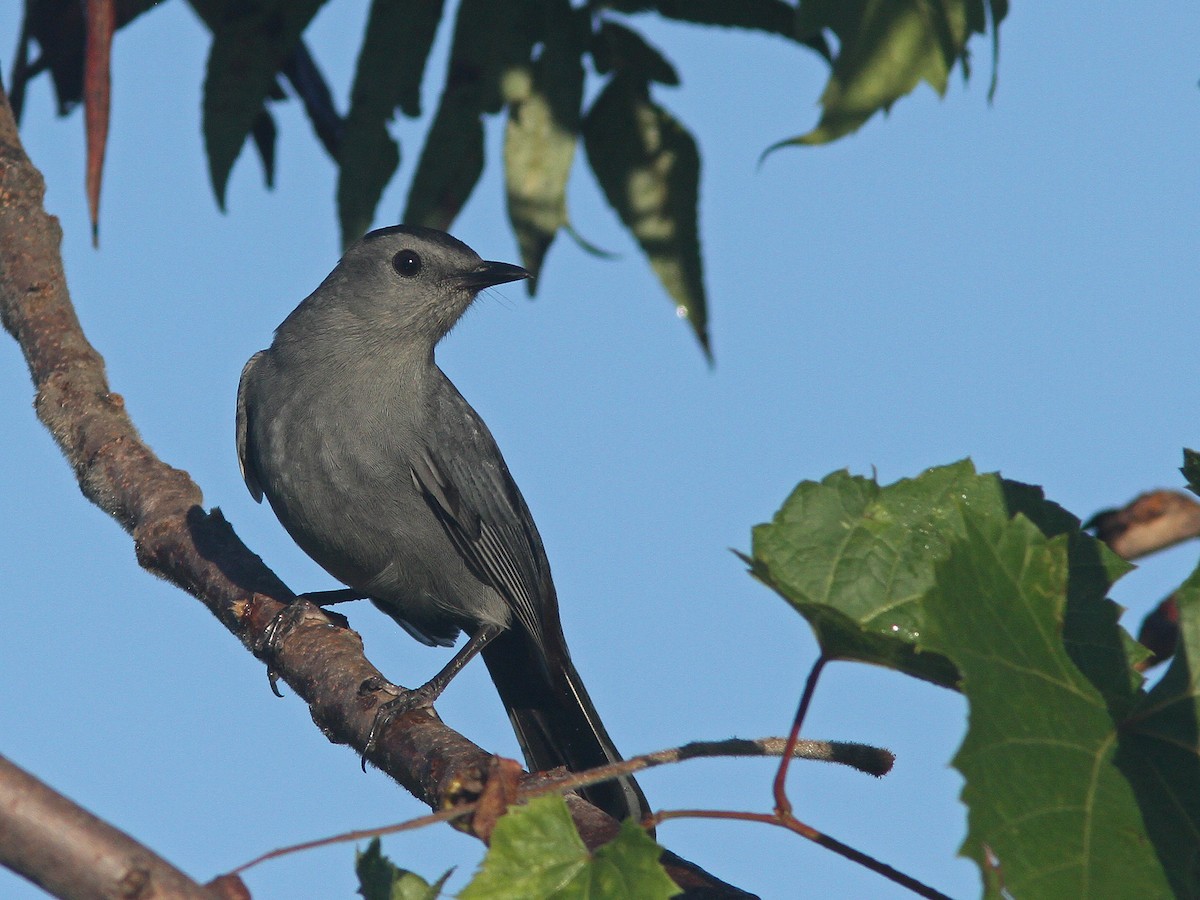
(486, 519)
(245, 455)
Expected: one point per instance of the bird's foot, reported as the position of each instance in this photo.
(294, 612)
(403, 702)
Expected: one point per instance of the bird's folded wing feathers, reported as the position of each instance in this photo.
(245, 459)
(476, 507)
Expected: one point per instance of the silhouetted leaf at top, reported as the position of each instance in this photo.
(450, 165)
(488, 66)
(264, 134)
(773, 16)
(251, 40)
(309, 84)
(648, 166)
(1041, 745)
(540, 138)
(536, 854)
(886, 48)
(615, 48)
(390, 67)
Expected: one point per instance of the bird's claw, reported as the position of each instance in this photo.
(404, 701)
(292, 613)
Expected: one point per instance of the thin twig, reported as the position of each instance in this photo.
(872, 760)
(788, 821)
(783, 806)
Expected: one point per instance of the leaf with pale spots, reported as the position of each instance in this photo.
(540, 138)
(857, 559)
(885, 49)
(648, 166)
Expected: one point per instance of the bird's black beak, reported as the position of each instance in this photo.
(489, 274)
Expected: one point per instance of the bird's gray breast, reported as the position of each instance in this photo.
(334, 457)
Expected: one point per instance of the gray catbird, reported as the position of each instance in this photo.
(386, 477)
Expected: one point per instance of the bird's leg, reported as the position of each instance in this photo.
(275, 627)
(430, 690)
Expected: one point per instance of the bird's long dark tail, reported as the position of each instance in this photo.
(555, 722)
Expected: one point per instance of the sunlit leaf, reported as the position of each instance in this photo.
(857, 560)
(648, 166)
(390, 67)
(536, 853)
(885, 49)
(1050, 812)
(540, 138)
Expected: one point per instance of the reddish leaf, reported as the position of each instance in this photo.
(97, 91)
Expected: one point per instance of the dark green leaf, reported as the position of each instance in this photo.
(390, 65)
(1048, 808)
(450, 165)
(493, 42)
(309, 85)
(251, 40)
(489, 66)
(857, 560)
(1191, 470)
(648, 166)
(1159, 752)
(380, 879)
(616, 48)
(539, 142)
(536, 853)
(886, 48)
(773, 16)
(999, 9)
(264, 134)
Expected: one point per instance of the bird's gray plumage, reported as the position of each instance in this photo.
(385, 475)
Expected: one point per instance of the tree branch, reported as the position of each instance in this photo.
(196, 550)
(65, 850)
(1150, 522)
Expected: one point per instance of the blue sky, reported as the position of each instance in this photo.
(1014, 282)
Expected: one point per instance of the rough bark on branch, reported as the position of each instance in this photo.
(65, 850)
(197, 550)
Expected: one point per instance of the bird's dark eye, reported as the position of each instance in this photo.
(407, 263)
